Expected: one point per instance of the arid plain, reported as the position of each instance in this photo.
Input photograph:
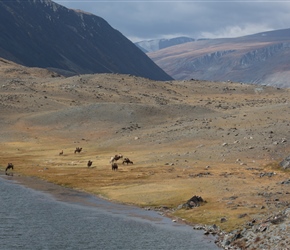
(221, 141)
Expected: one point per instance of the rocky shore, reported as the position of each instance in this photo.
(270, 231)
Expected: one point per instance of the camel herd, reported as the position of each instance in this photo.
(113, 161)
(116, 158)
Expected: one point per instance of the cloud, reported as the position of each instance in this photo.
(236, 31)
(151, 19)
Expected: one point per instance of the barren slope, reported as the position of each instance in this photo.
(220, 141)
(259, 59)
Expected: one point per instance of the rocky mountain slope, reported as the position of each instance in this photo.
(47, 35)
(157, 44)
(260, 58)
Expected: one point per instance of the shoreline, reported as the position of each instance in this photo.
(250, 237)
(72, 195)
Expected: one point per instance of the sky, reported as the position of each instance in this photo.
(141, 20)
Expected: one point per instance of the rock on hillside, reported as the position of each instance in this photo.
(285, 164)
(47, 35)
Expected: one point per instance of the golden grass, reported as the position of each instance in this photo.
(230, 190)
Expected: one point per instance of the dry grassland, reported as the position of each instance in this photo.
(220, 141)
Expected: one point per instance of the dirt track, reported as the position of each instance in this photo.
(221, 141)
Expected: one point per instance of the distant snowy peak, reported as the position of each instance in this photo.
(148, 46)
(157, 44)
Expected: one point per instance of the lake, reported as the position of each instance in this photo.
(39, 215)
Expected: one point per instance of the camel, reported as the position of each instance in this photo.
(115, 158)
(89, 163)
(78, 150)
(114, 166)
(127, 161)
(10, 165)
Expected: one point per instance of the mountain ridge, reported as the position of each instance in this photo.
(47, 35)
(261, 58)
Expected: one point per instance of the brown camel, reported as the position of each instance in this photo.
(116, 158)
(78, 150)
(114, 166)
(10, 165)
(89, 163)
(127, 161)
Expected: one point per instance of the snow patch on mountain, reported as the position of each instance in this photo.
(157, 44)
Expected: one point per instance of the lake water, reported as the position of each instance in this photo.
(52, 217)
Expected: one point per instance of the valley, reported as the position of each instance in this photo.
(222, 141)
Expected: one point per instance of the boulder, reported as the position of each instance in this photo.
(285, 164)
(194, 201)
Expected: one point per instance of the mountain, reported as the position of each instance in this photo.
(157, 44)
(45, 34)
(261, 58)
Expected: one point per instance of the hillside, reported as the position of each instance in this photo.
(260, 59)
(47, 35)
(220, 141)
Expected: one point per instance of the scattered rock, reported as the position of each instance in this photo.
(270, 174)
(286, 182)
(272, 233)
(223, 219)
(201, 174)
(242, 215)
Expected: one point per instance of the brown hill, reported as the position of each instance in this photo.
(220, 141)
(260, 58)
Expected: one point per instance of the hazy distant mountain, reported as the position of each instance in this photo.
(154, 45)
(47, 35)
(262, 58)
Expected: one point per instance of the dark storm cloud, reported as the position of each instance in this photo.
(144, 20)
